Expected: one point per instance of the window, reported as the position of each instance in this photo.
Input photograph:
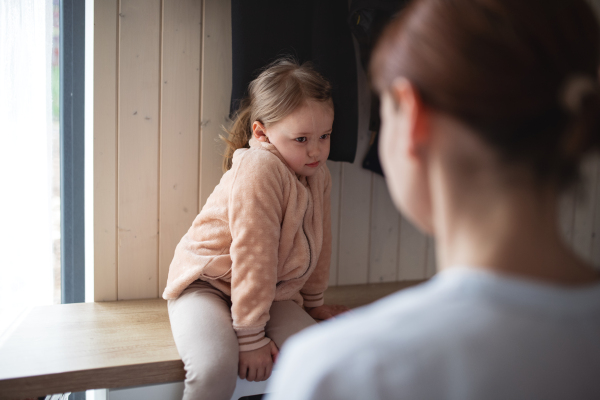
(29, 163)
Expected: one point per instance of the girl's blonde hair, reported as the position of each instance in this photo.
(279, 90)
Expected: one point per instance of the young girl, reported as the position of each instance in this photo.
(488, 108)
(260, 248)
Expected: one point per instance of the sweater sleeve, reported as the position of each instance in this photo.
(314, 288)
(255, 215)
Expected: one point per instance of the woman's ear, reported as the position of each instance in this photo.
(410, 104)
(259, 132)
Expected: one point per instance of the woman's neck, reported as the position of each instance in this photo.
(508, 230)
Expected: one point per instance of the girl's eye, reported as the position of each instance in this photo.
(301, 139)
(325, 136)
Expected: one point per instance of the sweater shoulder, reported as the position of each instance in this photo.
(256, 157)
(259, 163)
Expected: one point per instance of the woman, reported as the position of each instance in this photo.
(488, 107)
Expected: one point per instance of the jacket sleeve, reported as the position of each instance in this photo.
(255, 216)
(314, 288)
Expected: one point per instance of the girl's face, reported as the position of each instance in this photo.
(302, 137)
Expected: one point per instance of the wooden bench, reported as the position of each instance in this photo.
(76, 347)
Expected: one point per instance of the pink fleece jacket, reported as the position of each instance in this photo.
(264, 235)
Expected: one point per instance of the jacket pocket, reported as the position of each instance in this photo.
(217, 268)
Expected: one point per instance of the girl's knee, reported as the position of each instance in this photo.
(213, 378)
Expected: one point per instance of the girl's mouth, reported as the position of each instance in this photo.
(315, 164)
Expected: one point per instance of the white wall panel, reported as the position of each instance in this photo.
(412, 257)
(138, 148)
(106, 104)
(336, 173)
(385, 229)
(180, 127)
(355, 207)
(162, 87)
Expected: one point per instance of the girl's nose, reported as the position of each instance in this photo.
(313, 149)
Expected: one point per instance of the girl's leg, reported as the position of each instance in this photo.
(204, 336)
(287, 318)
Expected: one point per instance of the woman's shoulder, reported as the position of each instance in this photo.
(357, 344)
(410, 340)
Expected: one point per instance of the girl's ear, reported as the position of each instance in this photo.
(409, 101)
(259, 132)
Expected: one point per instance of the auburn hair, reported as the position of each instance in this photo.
(504, 67)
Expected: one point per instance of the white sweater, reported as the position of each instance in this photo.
(466, 334)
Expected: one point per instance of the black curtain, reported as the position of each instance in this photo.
(310, 30)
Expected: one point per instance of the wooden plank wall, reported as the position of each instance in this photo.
(581, 214)
(106, 36)
(162, 87)
(146, 140)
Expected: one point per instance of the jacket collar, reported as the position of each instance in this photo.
(255, 144)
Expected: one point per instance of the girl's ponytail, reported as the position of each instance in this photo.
(239, 134)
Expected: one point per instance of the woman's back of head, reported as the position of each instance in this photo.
(522, 74)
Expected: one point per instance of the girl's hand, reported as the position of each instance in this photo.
(326, 311)
(256, 365)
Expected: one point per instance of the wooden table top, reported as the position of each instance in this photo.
(74, 347)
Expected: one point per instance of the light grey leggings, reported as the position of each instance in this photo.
(204, 336)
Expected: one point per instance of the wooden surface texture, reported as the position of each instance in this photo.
(106, 40)
(215, 92)
(74, 347)
(355, 206)
(138, 152)
(146, 140)
(180, 125)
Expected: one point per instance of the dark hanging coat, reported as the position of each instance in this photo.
(367, 18)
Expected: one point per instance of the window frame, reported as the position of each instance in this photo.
(72, 150)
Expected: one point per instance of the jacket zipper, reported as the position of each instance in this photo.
(309, 250)
(309, 254)
(309, 261)
(307, 241)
